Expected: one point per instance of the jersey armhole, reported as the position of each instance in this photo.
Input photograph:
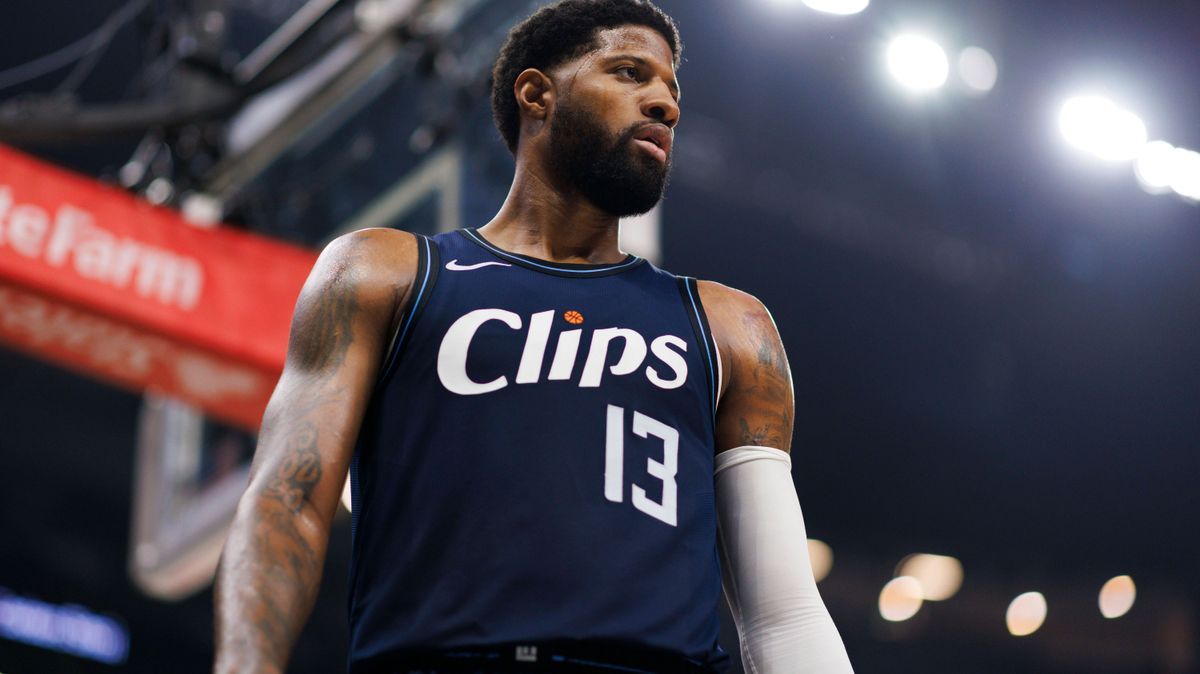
(426, 276)
(712, 359)
(424, 279)
(720, 374)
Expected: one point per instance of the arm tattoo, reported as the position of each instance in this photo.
(323, 331)
(761, 436)
(771, 360)
(768, 419)
(300, 470)
(275, 569)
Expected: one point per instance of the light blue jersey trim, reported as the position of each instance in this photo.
(712, 377)
(401, 332)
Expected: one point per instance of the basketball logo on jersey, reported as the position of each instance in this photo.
(452, 354)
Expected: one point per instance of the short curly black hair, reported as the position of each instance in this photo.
(558, 33)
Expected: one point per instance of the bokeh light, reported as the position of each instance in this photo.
(940, 576)
(1116, 597)
(201, 210)
(900, 599)
(1098, 126)
(1026, 614)
(918, 63)
(977, 69)
(821, 557)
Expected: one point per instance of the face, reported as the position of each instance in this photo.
(612, 128)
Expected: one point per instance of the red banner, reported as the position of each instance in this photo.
(95, 279)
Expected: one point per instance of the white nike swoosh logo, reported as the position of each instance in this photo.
(453, 265)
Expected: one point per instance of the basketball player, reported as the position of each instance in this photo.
(555, 448)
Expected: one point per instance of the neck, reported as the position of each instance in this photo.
(552, 222)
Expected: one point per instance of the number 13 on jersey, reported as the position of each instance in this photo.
(614, 464)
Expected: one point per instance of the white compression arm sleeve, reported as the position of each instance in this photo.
(783, 625)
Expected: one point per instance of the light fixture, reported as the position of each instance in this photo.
(917, 62)
(1098, 126)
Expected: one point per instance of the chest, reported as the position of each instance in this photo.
(588, 335)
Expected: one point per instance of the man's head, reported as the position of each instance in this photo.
(588, 86)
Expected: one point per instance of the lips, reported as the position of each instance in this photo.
(655, 139)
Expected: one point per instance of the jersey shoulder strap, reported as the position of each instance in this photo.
(690, 293)
(428, 262)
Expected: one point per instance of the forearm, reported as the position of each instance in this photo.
(782, 621)
(267, 582)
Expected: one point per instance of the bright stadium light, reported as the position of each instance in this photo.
(1155, 166)
(917, 62)
(1185, 175)
(838, 6)
(977, 69)
(1098, 126)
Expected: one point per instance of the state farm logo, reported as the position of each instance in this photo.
(72, 240)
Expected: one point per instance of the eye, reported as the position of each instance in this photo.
(629, 71)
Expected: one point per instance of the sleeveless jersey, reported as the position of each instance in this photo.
(537, 461)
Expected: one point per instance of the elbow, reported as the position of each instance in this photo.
(267, 516)
(270, 505)
(803, 641)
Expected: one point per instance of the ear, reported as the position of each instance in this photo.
(535, 93)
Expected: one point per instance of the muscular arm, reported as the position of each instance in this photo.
(271, 566)
(756, 403)
(782, 623)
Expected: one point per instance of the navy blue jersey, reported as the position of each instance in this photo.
(536, 463)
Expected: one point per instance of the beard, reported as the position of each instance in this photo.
(616, 177)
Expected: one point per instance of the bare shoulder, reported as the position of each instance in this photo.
(740, 322)
(756, 393)
(355, 290)
(715, 294)
(377, 264)
(373, 258)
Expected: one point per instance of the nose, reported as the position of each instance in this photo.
(662, 107)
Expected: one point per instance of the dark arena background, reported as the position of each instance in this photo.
(977, 225)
